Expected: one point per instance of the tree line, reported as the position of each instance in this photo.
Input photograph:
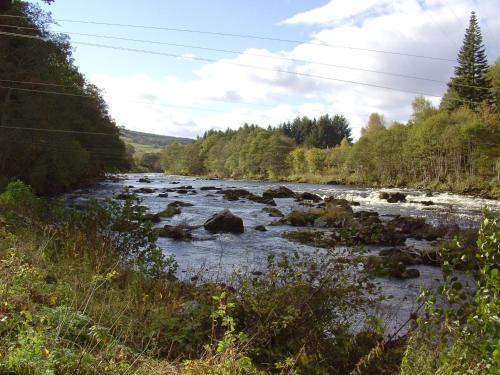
(51, 141)
(455, 146)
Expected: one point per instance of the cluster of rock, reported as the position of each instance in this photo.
(333, 219)
(398, 197)
(237, 194)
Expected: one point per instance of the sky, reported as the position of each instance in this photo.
(315, 57)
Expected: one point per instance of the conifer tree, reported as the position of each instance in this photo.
(470, 85)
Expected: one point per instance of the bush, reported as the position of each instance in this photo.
(460, 331)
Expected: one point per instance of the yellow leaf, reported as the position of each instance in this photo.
(45, 352)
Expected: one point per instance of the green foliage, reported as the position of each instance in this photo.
(460, 331)
(17, 192)
(458, 150)
(228, 358)
(70, 152)
(249, 152)
(323, 132)
(493, 75)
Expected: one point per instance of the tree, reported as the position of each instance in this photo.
(376, 123)
(422, 108)
(493, 75)
(329, 132)
(470, 85)
(51, 142)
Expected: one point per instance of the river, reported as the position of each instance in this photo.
(218, 255)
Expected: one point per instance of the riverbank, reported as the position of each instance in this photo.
(475, 188)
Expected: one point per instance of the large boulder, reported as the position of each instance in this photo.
(224, 221)
(392, 197)
(279, 192)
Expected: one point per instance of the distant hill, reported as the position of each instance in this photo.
(145, 148)
(153, 140)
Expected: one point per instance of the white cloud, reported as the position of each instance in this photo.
(335, 11)
(263, 96)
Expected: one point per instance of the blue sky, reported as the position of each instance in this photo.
(248, 17)
(184, 97)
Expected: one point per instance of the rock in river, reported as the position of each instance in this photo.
(145, 190)
(393, 197)
(273, 212)
(280, 192)
(224, 221)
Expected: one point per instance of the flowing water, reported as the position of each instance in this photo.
(217, 255)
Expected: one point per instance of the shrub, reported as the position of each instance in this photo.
(460, 331)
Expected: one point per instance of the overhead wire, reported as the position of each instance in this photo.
(117, 156)
(246, 36)
(155, 104)
(245, 53)
(307, 75)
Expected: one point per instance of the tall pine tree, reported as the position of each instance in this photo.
(470, 85)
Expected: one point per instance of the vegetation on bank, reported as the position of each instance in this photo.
(457, 150)
(87, 291)
(51, 136)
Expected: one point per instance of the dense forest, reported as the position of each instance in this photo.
(457, 149)
(455, 146)
(55, 128)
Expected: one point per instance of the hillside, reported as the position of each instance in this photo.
(150, 140)
(146, 147)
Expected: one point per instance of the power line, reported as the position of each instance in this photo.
(131, 101)
(40, 83)
(238, 53)
(247, 36)
(150, 103)
(117, 155)
(57, 130)
(307, 75)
